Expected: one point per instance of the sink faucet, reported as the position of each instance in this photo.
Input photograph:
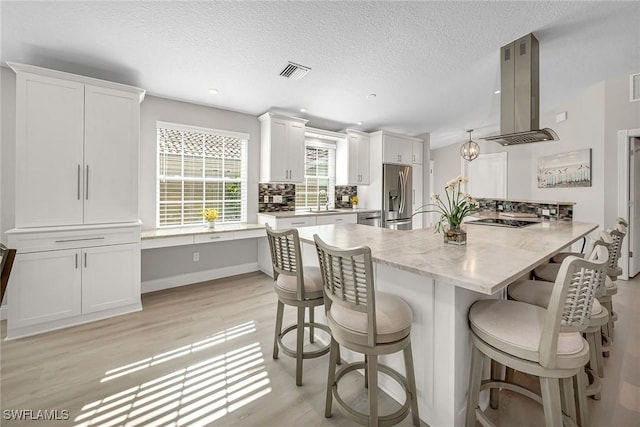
(326, 199)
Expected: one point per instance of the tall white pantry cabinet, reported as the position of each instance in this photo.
(77, 227)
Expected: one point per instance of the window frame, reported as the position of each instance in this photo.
(311, 142)
(182, 178)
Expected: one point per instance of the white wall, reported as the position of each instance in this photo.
(154, 109)
(594, 117)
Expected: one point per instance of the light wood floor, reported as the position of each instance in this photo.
(201, 355)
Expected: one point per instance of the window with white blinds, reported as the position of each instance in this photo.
(200, 169)
(319, 174)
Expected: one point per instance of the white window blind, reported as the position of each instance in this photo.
(319, 174)
(200, 169)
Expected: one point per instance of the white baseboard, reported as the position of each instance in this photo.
(3, 312)
(197, 277)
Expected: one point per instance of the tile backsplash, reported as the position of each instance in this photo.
(276, 197)
(544, 210)
(282, 197)
(343, 195)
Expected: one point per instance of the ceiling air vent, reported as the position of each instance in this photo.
(294, 71)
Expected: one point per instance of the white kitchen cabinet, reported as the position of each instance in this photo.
(43, 287)
(351, 218)
(110, 277)
(77, 144)
(418, 186)
(281, 148)
(290, 222)
(67, 277)
(397, 150)
(352, 159)
(417, 152)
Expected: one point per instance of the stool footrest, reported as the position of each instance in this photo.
(305, 354)
(595, 385)
(362, 418)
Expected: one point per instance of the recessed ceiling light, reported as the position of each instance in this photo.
(496, 92)
(213, 91)
(303, 110)
(371, 96)
(359, 123)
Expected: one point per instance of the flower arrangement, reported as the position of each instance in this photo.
(354, 200)
(210, 214)
(457, 205)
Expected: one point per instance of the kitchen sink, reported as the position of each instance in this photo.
(323, 211)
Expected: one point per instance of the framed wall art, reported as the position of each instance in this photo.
(572, 169)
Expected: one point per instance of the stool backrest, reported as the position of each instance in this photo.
(570, 304)
(614, 238)
(286, 257)
(621, 221)
(347, 278)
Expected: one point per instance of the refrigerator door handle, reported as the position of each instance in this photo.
(401, 208)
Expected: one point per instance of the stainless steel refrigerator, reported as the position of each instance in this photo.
(396, 197)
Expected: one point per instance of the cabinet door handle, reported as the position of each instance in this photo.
(76, 261)
(85, 260)
(79, 167)
(414, 196)
(339, 220)
(214, 237)
(298, 223)
(86, 188)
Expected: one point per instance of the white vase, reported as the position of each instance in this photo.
(354, 207)
(212, 224)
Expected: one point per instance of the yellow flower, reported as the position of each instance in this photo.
(354, 200)
(210, 214)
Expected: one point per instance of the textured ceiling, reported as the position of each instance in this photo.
(433, 65)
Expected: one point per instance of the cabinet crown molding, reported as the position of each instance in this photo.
(25, 68)
(397, 135)
(269, 115)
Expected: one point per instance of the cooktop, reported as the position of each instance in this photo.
(501, 222)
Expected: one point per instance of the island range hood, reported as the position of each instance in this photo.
(519, 94)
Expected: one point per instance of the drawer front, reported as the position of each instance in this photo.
(304, 221)
(47, 241)
(212, 237)
(164, 242)
(249, 234)
(337, 219)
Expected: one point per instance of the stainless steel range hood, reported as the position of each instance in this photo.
(519, 94)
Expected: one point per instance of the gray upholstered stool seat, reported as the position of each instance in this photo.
(393, 318)
(299, 286)
(312, 283)
(366, 322)
(521, 335)
(558, 258)
(543, 342)
(538, 292)
(547, 272)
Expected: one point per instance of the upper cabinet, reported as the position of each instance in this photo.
(77, 144)
(352, 159)
(396, 149)
(417, 152)
(281, 148)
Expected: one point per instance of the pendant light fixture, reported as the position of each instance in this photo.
(470, 149)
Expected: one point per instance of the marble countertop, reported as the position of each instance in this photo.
(198, 229)
(296, 214)
(492, 258)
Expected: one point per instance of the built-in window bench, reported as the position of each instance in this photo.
(173, 257)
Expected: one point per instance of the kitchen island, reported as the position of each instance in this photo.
(440, 282)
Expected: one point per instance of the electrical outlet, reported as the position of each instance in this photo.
(266, 199)
(277, 199)
(545, 212)
(196, 256)
(345, 198)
